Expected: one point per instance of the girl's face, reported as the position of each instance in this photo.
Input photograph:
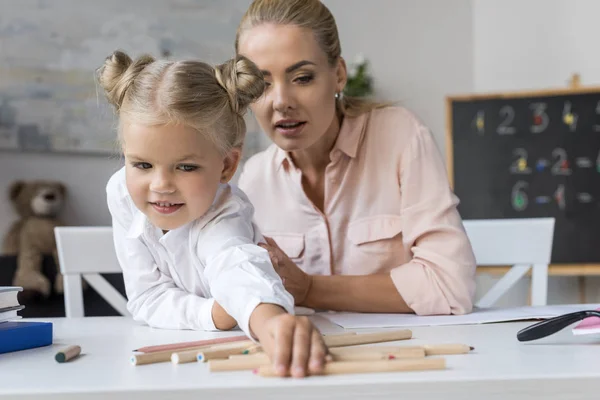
(173, 172)
(298, 106)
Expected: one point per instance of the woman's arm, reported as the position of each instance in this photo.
(440, 277)
(362, 293)
(359, 293)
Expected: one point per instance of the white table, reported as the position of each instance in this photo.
(559, 367)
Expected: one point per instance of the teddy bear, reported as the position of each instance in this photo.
(32, 236)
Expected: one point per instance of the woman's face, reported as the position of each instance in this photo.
(298, 107)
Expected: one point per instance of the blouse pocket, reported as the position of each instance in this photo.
(377, 234)
(292, 244)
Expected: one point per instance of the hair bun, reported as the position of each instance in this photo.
(118, 73)
(242, 80)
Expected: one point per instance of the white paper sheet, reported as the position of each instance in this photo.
(478, 316)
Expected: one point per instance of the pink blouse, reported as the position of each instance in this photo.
(388, 209)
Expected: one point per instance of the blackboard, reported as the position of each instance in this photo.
(528, 155)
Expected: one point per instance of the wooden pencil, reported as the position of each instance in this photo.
(223, 350)
(257, 348)
(165, 356)
(201, 343)
(245, 362)
(446, 349)
(367, 338)
(360, 367)
(67, 353)
(342, 354)
(187, 345)
(213, 354)
(428, 349)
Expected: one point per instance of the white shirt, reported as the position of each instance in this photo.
(173, 279)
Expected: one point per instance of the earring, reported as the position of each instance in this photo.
(337, 95)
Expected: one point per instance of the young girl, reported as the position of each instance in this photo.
(184, 237)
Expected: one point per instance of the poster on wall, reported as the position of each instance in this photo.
(49, 51)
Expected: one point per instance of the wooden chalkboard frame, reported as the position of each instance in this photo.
(580, 270)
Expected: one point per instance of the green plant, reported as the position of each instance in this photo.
(360, 82)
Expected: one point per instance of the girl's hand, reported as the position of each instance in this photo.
(294, 345)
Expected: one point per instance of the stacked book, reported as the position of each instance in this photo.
(9, 303)
(19, 335)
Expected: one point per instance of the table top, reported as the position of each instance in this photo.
(558, 367)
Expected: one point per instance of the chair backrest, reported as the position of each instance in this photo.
(87, 252)
(86, 249)
(511, 241)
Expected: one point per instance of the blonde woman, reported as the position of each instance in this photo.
(352, 195)
(184, 237)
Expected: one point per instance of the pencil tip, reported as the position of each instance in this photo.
(391, 357)
(135, 350)
(471, 348)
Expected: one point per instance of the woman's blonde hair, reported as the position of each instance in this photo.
(313, 15)
(212, 100)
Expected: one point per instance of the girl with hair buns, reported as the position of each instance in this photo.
(352, 196)
(184, 237)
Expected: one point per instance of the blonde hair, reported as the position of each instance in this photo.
(313, 15)
(212, 100)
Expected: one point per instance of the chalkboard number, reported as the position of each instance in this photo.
(569, 118)
(561, 165)
(507, 113)
(559, 196)
(540, 118)
(479, 122)
(518, 196)
(597, 126)
(519, 165)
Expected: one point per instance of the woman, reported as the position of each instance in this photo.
(353, 195)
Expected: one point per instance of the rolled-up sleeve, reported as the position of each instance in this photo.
(153, 297)
(440, 278)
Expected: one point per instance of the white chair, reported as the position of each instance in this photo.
(523, 243)
(87, 252)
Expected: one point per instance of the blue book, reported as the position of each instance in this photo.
(22, 335)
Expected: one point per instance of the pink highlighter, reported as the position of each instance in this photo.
(588, 326)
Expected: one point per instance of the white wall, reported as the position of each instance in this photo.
(537, 44)
(420, 50)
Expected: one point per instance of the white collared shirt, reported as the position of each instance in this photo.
(173, 279)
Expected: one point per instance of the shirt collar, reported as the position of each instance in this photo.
(138, 225)
(348, 141)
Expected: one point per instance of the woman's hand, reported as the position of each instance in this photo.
(294, 345)
(296, 281)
